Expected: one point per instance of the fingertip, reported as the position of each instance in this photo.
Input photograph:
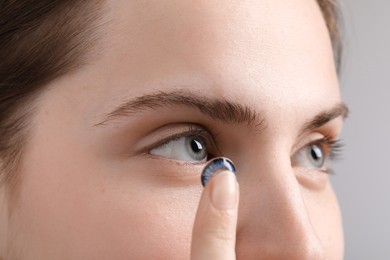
(214, 166)
(220, 177)
(224, 191)
(214, 232)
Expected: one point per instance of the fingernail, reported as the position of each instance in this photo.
(224, 191)
(215, 166)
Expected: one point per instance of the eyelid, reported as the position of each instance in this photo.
(331, 147)
(331, 130)
(334, 147)
(177, 131)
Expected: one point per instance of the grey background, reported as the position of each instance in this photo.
(362, 180)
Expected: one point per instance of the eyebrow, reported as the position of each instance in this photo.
(340, 109)
(217, 109)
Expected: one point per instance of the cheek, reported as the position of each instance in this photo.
(325, 217)
(89, 210)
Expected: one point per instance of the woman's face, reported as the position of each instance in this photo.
(112, 168)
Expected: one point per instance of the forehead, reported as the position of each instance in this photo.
(214, 38)
(223, 25)
(196, 30)
(257, 51)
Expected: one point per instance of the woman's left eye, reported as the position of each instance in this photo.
(190, 148)
(316, 155)
(311, 156)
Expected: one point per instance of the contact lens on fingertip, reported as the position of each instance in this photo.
(214, 166)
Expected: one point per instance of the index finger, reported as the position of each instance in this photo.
(214, 231)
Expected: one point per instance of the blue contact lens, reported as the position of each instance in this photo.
(214, 166)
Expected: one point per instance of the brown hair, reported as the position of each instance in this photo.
(39, 41)
(331, 14)
(43, 40)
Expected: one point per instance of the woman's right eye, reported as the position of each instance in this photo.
(190, 148)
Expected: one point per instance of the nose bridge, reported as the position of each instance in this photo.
(273, 220)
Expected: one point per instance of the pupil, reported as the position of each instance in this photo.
(196, 146)
(316, 152)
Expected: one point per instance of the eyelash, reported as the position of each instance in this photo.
(333, 150)
(333, 147)
(193, 130)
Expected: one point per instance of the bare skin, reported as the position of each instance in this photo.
(102, 187)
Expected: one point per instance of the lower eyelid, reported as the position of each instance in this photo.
(312, 179)
(171, 161)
